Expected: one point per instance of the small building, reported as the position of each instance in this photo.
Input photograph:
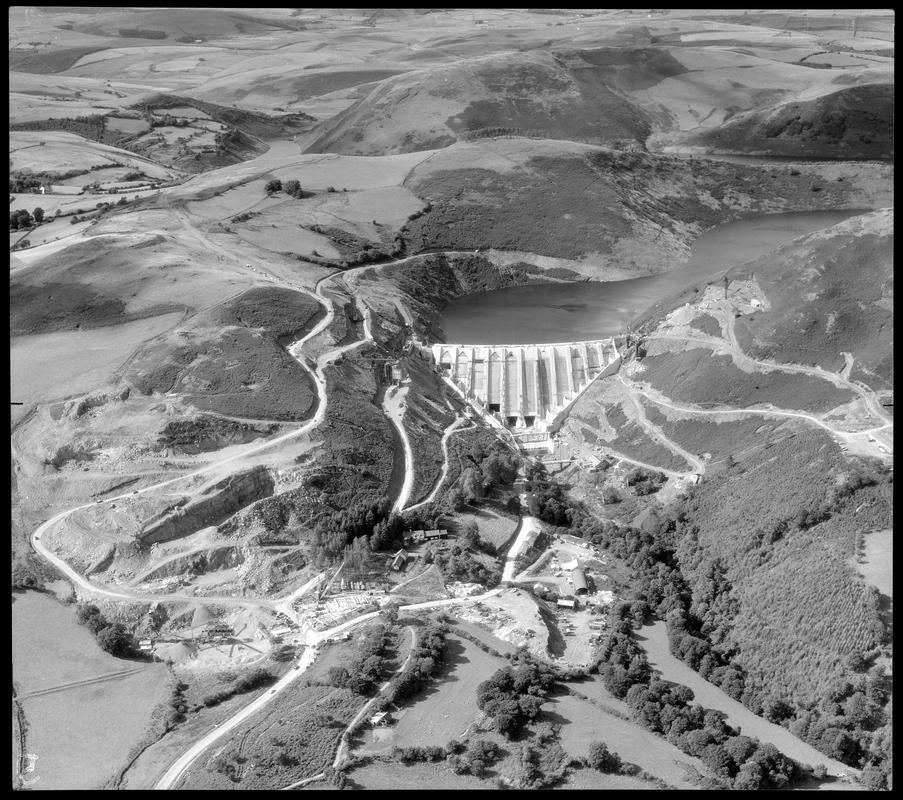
(567, 602)
(399, 560)
(571, 565)
(380, 718)
(437, 534)
(413, 537)
(578, 578)
(145, 644)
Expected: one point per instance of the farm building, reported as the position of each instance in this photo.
(568, 602)
(399, 560)
(413, 537)
(437, 534)
(578, 577)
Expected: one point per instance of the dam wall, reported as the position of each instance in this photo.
(525, 387)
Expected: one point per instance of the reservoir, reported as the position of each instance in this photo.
(569, 312)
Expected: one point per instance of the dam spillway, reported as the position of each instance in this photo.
(525, 387)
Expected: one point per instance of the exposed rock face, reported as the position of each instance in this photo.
(214, 504)
(197, 563)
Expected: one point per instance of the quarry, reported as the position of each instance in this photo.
(487, 398)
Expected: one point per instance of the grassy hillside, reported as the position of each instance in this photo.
(830, 292)
(576, 95)
(856, 122)
(698, 376)
(635, 211)
(231, 361)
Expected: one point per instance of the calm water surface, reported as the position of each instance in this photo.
(568, 312)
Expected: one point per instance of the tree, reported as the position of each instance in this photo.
(470, 534)
(38, 215)
(471, 485)
(116, 640)
(272, 186)
(749, 776)
(602, 759)
(293, 188)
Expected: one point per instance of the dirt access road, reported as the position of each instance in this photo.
(528, 525)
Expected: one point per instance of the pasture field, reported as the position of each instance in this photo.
(69, 204)
(356, 211)
(277, 229)
(56, 151)
(582, 722)
(80, 735)
(246, 197)
(98, 175)
(318, 172)
(126, 125)
(495, 528)
(47, 366)
(591, 779)
(654, 639)
(445, 708)
(55, 231)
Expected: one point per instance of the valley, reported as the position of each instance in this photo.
(362, 358)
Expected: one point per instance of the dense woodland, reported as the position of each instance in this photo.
(759, 597)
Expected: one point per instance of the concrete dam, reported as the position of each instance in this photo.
(525, 387)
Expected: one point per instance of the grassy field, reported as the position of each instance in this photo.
(427, 777)
(582, 722)
(877, 565)
(654, 639)
(57, 151)
(592, 779)
(228, 203)
(277, 229)
(81, 735)
(495, 528)
(443, 710)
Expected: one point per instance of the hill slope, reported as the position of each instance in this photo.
(631, 211)
(841, 302)
(856, 122)
(579, 95)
